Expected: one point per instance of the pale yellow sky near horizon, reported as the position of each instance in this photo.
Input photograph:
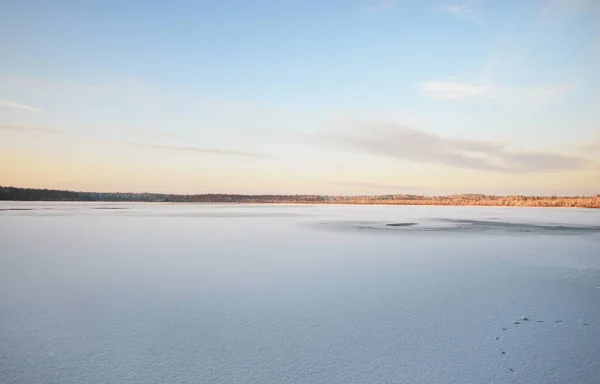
(123, 169)
(499, 98)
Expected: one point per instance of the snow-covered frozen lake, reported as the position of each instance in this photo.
(166, 293)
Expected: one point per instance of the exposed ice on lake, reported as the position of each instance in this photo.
(463, 225)
(180, 293)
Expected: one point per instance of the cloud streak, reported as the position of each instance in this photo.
(463, 11)
(404, 143)
(562, 9)
(25, 128)
(142, 132)
(592, 147)
(456, 90)
(199, 150)
(381, 5)
(13, 104)
(161, 147)
(533, 34)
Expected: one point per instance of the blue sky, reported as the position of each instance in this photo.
(337, 97)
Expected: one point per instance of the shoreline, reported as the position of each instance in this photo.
(375, 203)
(461, 200)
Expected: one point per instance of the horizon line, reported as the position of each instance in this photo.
(305, 194)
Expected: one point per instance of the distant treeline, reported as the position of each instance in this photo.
(29, 194)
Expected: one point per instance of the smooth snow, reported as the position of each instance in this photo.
(201, 293)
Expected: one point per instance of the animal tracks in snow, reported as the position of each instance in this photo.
(522, 323)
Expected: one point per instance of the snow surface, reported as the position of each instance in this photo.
(177, 293)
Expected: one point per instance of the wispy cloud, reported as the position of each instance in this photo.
(593, 147)
(143, 132)
(397, 141)
(456, 90)
(25, 128)
(553, 9)
(463, 11)
(160, 147)
(530, 36)
(381, 5)
(206, 151)
(16, 105)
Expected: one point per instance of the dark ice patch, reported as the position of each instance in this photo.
(17, 209)
(450, 225)
(521, 227)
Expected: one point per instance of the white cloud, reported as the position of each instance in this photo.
(381, 5)
(462, 11)
(405, 143)
(536, 32)
(456, 90)
(566, 8)
(592, 147)
(16, 105)
(144, 132)
(25, 128)
(453, 90)
(208, 151)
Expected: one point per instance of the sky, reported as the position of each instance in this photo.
(353, 97)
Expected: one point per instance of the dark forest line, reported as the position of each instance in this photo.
(32, 194)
